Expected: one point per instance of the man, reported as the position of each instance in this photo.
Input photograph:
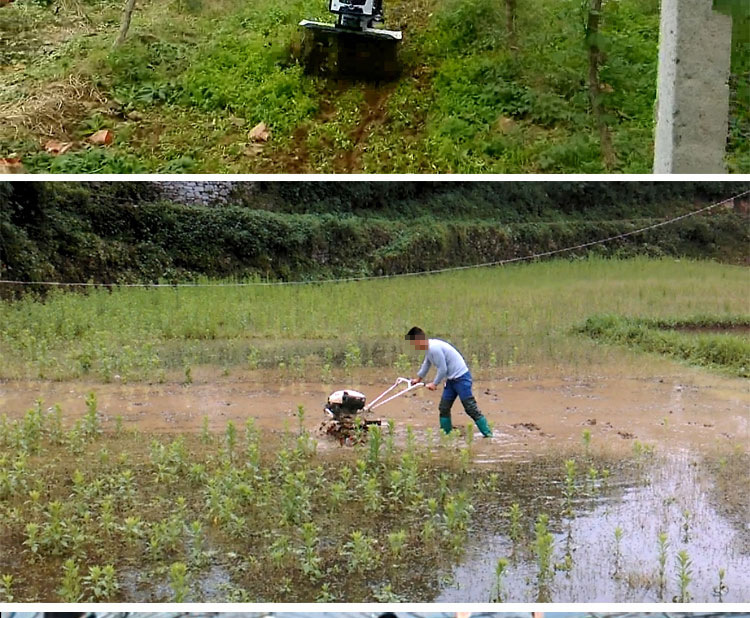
(449, 365)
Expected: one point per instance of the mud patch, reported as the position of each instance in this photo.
(709, 414)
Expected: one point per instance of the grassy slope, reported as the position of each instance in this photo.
(194, 77)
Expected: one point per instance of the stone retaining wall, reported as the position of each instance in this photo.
(206, 193)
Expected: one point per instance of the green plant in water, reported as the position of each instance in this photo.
(196, 552)
(618, 551)
(374, 442)
(70, 588)
(385, 594)
(428, 531)
(91, 426)
(309, 558)
(32, 540)
(499, 591)
(279, 550)
(684, 577)
(325, 595)
(230, 437)
(397, 542)
(721, 588)
(663, 545)
(543, 548)
(6, 588)
(133, 529)
(205, 433)
(586, 437)
(178, 581)
(372, 496)
(685, 526)
(360, 552)
(101, 583)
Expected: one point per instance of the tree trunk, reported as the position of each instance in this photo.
(595, 93)
(125, 25)
(510, 22)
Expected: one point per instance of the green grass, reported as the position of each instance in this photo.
(521, 314)
(194, 77)
(726, 351)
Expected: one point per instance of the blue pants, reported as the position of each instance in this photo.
(459, 387)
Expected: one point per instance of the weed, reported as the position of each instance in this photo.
(91, 424)
(70, 589)
(230, 436)
(101, 583)
(178, 582)
(309, 559)
(205, 432)
(721, 588)
(663, 547)
(516, 530)
(385, 594)
(543, 548)
(686, 526)
(617, 552)
(500, 568)
(6, 587)
(397, 543)
(325, 595)
(360, 552)
(586, 437)
(684, 576)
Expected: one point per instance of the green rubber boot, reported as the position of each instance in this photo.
(484, 426)
(445, 415)
(472, 409)
(445, 424)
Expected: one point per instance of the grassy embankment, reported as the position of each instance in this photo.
(194, 77)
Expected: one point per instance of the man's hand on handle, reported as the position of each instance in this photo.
(417, 380)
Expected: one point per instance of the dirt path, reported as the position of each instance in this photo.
(529, 415)
(374, 114)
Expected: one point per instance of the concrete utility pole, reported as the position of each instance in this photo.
(692, 107)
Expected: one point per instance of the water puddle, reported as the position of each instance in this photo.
(673, 497)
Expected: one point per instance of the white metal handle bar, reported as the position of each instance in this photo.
(410, 387)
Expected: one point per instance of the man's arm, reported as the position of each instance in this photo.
(441, 366)
(426, 364)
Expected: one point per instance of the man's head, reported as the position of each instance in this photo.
(416, 336)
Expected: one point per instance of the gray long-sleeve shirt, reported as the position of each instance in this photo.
(447, 360)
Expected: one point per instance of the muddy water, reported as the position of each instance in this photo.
(699, 411)
(669, 495)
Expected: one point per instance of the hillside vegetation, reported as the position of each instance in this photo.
(122, 232)
(194, 77)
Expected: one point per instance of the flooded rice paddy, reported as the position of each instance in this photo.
(604, 488)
